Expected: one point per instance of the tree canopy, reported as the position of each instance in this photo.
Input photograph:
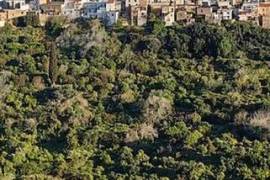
(185, 102)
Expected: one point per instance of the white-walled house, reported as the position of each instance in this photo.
(106, 11)
(250, 6)
(138, 15)
(131, 3)
(113, 5)
(225, 14)
(168, 15)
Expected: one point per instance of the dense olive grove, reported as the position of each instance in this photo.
(183, 102)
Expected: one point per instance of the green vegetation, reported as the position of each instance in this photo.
(182, 102)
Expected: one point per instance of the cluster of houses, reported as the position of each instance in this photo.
(138, 12)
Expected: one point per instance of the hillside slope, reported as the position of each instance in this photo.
(157, 102)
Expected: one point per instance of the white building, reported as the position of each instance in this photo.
(168, 15)
(113, 5)
(106, 11)
(138, 15)
(250, 6)
(224, 4)
(131, 3)
(225, 14)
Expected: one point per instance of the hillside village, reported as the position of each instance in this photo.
(138, 12)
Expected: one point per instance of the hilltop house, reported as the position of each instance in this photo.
(250, 6)
(225, 14)
(248, 12)
(204, 12)
(15, 4)
(264, 14)
(72, 8)
(223, 4)
(183, 16)
(106, 11)
(52, 8)
(129, 3)
(264, 9)
(137, 15)
(168, 15)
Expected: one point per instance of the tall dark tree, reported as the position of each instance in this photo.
(53, 62)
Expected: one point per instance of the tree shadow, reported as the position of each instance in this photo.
(44, 96)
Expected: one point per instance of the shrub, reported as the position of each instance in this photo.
(261, 119)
